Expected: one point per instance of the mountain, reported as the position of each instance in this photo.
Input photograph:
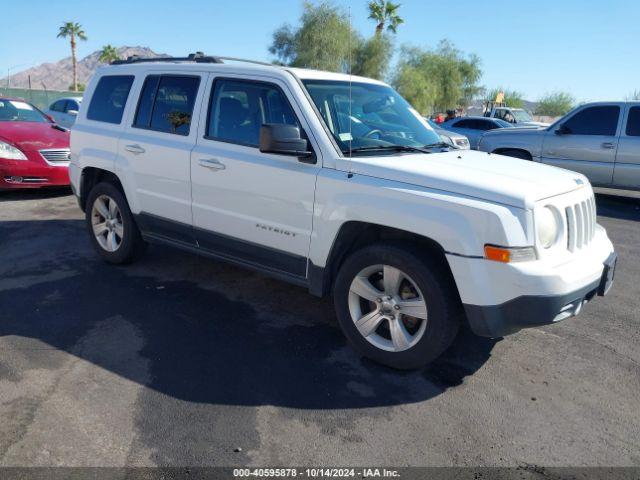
(59, 75)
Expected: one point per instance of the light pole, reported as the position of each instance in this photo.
(12, 68)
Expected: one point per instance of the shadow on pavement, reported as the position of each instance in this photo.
(198, 344)
(34, 194)
(618, 206)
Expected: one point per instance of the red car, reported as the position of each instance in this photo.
(34, 151)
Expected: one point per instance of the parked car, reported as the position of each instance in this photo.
(262, 166)
(455, 140)
(34, 151)
(516, 116)
(65, 110)
(474, 127)
(600, 140)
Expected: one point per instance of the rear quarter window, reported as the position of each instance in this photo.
(633, 122)
(109, 98)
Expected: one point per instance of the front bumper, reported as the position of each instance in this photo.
(32, 173)
(500, 299)
(535, 310)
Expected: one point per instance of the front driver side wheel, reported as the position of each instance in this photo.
(396, 306)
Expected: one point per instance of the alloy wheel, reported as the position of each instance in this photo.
(387, 308)
(106, 221)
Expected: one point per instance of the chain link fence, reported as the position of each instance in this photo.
(40, 98)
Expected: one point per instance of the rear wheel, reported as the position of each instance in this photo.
(396, 307)
(112, 229)
(521, 154)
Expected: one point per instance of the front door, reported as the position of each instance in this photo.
(627, 169)
(586, 142)
(250, 206)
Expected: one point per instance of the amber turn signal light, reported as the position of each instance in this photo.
(497, 254)
(509, 255)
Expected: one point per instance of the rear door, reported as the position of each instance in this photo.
(589, 144)
(156, 148)
(626, 173)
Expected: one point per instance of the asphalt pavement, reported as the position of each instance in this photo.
(180, 360)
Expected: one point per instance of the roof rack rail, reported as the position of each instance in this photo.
(244, 60)
(197, 57)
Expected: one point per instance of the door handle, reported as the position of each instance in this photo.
(136, 149)
(608, 145)
(212, 163)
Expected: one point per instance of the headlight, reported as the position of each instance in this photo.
(462, 143)
(447, 140)
(547, 226)
(11, 153)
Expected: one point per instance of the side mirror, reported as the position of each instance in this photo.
(562, 130)
(73, 113)
(285, 140)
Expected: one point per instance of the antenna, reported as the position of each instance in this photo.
(350, 172)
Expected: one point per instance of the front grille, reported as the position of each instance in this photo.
(56, 156)
(15, 179)
(581, 223)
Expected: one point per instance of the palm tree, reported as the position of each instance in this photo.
(72, 31)
(385, 13)
(108, 54)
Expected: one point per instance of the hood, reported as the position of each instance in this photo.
(496, 178)
(532, 124)
(448, 133)
(519, 131)
(32, 136)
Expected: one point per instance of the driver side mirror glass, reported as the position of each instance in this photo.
(284, 139)
(73, 113)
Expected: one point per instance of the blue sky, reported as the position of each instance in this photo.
(589, 48)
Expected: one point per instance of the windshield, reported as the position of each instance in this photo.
(502, 123)
(18, 111)
(522, 116)
(368, 116)
(433, 124)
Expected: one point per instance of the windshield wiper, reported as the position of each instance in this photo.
(437, 144)
(392, 148)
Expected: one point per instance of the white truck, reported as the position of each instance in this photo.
(517, 116)
(334, 183)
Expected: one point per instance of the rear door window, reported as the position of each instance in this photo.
(464, 124)
(109, 98)
(485, 125)
(597, 120)
(166, 103)
(633, 122)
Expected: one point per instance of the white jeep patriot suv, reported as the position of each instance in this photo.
(336, 184)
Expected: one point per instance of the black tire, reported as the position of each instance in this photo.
(131, 246)
(433, 279)
(522, 155)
